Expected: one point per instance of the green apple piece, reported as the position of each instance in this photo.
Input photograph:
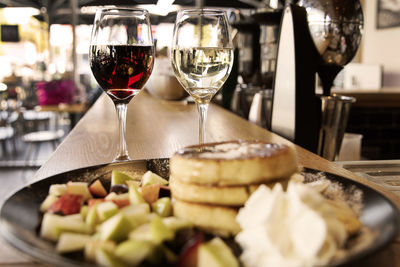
(79, 188)
(162, 207)
(58, 189)
(159, 231)
(77, 217)
(48, 229)
(136, 214)
(73, 225)
(92, 217)
(92, 245)
(46, 204)
(216, 253)
(106, 210)
(175, 223)
(84, 211)
(53, 225)
(151, 178)
(141, 233)
(133, 252)
(132, 182)
(70, 242)
(118, 177)
(134, 195)
(108, 259)
(116, 228)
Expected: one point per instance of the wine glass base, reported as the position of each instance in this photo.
(121, 159)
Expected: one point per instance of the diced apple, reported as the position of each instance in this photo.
(67, 204)
(163, 207)
(92, 217)
(216, 253)
(159, 231)
(134, 195)
(84, 211)
(106, 210)
(97, 189)
(73, 225)
(75, 217)
(151, 178)
(136, 214)
(120, 200)
(190, 252)
(79, 188)
(93, 245)
(118, 177)
(58, 189)
(133, 252)
(141, 233)
(175, 223)
(150, 193)
(46, 204)
(95, 201)
(107, 259)
(53, 225)
(48, 229)
(133, 182)
(116, 228)
(70, 242)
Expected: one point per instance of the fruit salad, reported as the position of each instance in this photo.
(128, 224)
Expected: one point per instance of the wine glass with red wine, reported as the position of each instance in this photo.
(121, 58)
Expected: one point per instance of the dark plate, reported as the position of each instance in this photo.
(20, 216)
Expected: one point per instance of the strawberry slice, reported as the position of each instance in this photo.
(67, 204)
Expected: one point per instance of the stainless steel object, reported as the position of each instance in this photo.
(335, 111)
(260, 109)
(317, 36)
(336, 28)
(242, 99)
(268, 50)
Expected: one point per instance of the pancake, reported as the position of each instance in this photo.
(219, 195)
(220, 220)
(233, 163)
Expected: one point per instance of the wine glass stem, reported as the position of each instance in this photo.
(202, 108)
(122, 149)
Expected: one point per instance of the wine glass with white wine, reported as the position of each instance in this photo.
(202, 56)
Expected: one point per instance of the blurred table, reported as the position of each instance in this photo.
(157, 128)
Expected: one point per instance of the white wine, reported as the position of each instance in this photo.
(202, 70)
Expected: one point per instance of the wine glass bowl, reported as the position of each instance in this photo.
(121, 57)
(202, 56)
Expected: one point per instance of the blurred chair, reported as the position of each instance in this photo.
(35, 139)
(34, 121)
(6, 136)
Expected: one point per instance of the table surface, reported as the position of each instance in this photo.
(157, 128)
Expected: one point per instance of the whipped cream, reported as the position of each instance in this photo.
(293, 228)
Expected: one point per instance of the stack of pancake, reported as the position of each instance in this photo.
(209, 183)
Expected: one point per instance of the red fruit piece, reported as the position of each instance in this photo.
(97, 189)
(67, 204)
(189, 253)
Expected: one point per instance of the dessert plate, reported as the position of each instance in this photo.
(20, 217)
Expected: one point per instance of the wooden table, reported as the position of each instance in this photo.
(157, 128)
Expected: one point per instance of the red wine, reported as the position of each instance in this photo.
(121, 70)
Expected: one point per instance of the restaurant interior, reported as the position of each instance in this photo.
(47, 88)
